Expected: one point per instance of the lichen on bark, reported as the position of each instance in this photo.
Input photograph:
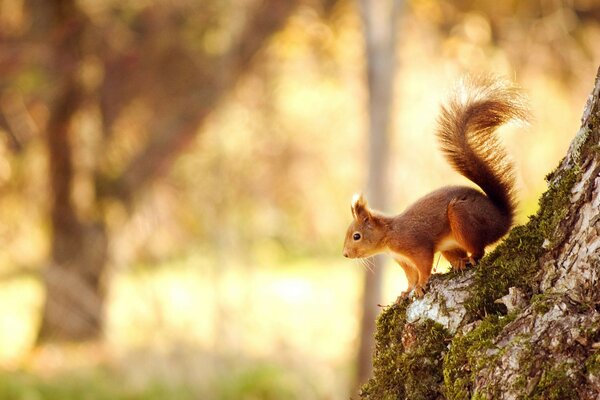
(460, 341)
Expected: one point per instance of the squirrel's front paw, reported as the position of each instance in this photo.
(419, 292)
(402, 296)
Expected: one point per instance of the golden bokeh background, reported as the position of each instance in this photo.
(224, 277)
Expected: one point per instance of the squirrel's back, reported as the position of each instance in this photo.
(466, 132)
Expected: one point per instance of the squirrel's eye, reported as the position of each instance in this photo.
(356, 236)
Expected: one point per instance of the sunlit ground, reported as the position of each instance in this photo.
(278, 330)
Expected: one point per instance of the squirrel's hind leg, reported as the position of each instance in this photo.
(467, 228)
(458, 258)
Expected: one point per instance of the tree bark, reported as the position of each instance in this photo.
(525, 323)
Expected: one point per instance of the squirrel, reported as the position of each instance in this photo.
(458, 221)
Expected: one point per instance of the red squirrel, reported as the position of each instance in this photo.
(458, 221)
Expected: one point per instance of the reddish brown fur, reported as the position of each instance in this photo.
(459, 221)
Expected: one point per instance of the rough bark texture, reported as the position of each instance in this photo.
(525, 323)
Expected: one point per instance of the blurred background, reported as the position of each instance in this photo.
(175, 179)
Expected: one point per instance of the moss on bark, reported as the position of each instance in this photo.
(468, 354)
(409, 356)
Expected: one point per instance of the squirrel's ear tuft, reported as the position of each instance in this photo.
(359, 207)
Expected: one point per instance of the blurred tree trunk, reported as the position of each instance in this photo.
(73, 308)
(379, 24)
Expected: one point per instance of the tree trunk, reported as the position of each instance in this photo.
(525, 323)
(379, 21)
(73, 306)
(73, 310)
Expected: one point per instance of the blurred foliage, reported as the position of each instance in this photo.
(96, 385)
(278, 330)
(297, 166)
(262, 381)
(278, 159)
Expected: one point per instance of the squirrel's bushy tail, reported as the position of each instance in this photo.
(466, 132)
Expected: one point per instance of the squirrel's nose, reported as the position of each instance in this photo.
(346, 254)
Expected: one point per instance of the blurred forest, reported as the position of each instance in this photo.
(175, 178)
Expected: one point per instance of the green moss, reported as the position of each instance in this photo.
(592, 364)
(94, 384)
(542, 303)
(556, 384)
(514, 263)
(468, 354)
(386, 380)
(408, 357)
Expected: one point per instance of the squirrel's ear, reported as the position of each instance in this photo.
(359, 207)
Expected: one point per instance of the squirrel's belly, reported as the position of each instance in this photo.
(401, 258)
(448, 243)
